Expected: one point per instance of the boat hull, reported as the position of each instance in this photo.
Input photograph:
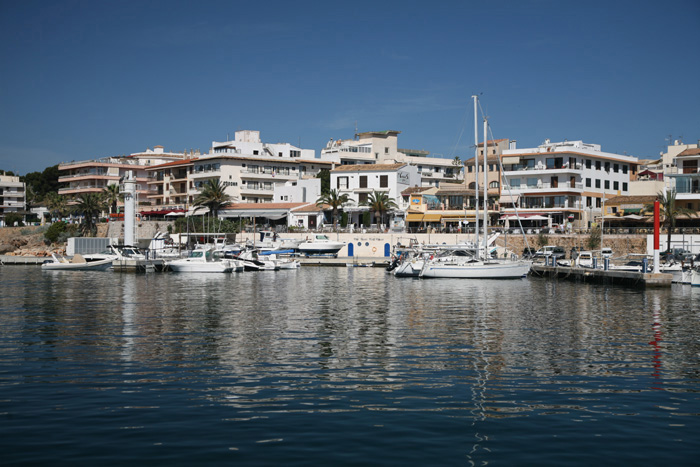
(102, 265)
(476, 270)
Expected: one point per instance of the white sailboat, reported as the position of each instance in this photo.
(476, 264)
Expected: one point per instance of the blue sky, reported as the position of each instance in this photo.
(89, 79)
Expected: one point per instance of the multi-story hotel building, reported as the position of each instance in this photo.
(12, 197)
(686, 179)
(249, 169)
(381, 147)
(564, 182)
(93, 176)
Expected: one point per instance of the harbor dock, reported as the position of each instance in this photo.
(600, 276)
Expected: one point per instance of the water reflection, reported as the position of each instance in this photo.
(355, 342)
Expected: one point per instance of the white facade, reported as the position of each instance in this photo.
(248, 143)
(358, 181)
(249, 170)
(12, 196)
(566, 180)
(381, 147)
(298, 191)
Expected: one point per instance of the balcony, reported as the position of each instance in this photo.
(563, 187)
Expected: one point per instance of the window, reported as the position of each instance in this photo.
(469, 168)
(616, 168)
(589, 202)
(342, 183)
(515, 183)
(384, 181)
(256, 152)
(607, 184)
(363, 197)
(554, 162)
(616, 185)
(493, 185)
(597, 183)
(588, 183)
(607, 166)
(588, 163)
(597, 202)
(624, 169)
(624, 186)
(363, 181)
(386, 150)
(597, 165)
(532, 183)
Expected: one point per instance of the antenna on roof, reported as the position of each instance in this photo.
(356, 137)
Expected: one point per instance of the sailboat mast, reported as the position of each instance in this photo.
(486, 210)
(476, 170)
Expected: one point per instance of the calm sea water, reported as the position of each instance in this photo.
(343, 366)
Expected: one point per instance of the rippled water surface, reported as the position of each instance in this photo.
(343, 366)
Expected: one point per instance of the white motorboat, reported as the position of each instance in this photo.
(253, 261)
(281, 258)
(115, 252)
(77, 263)
(271, 240)
(201, 260)
(320, 244)
(695, 277)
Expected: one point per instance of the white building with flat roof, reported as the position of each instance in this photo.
(358, 181)
(12, 197)
(381, 147)
(566, 181)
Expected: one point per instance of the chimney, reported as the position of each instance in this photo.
(512, 144)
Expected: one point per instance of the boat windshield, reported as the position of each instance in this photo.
(196, 254)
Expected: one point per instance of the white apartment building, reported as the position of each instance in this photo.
(249, 170)
(306, 190)
(358, 181)
(381, 147)
(686, 180)
(566, 181)
(92, 176)
(12, 197)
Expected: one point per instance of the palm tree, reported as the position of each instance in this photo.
(56, 203)
(111, 194)
(669, 212)
(335, 201)
(89, 205)
(213, 196)
(379, 202)
(457, 163)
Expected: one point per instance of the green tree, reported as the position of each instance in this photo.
(112, 196)
(325, 176)
(379, 203)
(57, 204)
(669, 211)
(593, 242)
(89, 205)
(43, 182)
(335, 201)
(457, 163)
(213, 196)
